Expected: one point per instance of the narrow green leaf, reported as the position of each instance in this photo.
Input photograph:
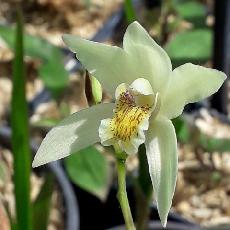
(54, 74)
(129, 11)
(182, 128)
(20, 136)
(52, 70)
(191, 46)
(89, 170)
(212, 144)
(144, 180)
(13, 225)
(41, 207)
(144, 190)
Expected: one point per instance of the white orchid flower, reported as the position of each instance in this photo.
(147, 95)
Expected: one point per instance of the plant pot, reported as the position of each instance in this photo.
(156, 225)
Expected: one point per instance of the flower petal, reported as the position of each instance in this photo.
(109, 64)
(143, 92)
(161, 150)
(74, 133)
(189, 83)
(149, 59)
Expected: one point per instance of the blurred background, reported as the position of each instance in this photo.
(79, 192)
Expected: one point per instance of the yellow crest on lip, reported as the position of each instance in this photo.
(127, 117)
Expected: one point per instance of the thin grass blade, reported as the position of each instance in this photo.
(129, 11)
(20, 135)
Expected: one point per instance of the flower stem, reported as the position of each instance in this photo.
(122, 194)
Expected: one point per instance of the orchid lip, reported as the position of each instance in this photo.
(134, 107)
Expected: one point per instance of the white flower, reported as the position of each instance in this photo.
(147, 95)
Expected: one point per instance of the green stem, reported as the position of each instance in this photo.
(122, 194)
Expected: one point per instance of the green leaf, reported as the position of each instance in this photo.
(144, 180)
(34, 46)
(191, 46)
(13, 226)
(192, 11)
(46, 123)
(212, 144)
(183, 131)
(89, 170)
(52, 70)
(20, 135)
(42, 204)
(54, 74)
(129, 11)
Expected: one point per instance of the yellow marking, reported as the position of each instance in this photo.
(127, 117)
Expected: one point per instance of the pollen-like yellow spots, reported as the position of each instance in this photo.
(127, 117)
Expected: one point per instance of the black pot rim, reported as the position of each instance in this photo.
(156, 225)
